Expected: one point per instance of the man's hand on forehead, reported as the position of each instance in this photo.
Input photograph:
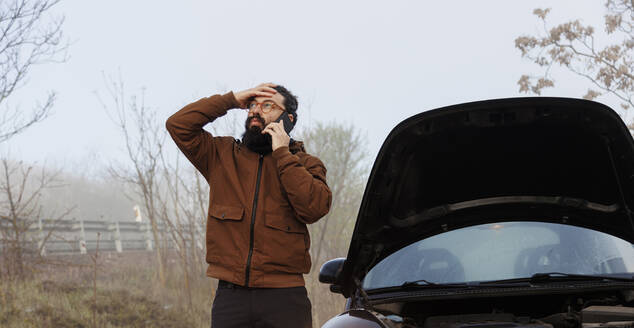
(263, 90)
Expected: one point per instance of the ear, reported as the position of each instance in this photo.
(291, 117)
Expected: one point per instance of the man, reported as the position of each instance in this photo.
(263, 192)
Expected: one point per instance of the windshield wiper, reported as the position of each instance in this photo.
(558, 276)
(422, 283)
(534, 279)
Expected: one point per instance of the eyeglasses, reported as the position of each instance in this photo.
(265, 106)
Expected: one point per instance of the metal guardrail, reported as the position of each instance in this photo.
(80, 236)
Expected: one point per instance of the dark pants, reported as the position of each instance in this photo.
(236, 306)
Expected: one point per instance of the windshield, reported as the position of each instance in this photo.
(503, 250)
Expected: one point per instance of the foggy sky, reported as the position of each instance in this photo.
(366, 63)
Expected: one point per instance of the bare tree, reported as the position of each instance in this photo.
(21, 190)
(572, 45)
(144, 138)
(186, 226)
(184, 204)
(343, 151)
(345, 155)
(27, 38)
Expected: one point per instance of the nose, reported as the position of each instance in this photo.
(255, 113)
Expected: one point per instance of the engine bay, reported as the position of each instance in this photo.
(599, 309)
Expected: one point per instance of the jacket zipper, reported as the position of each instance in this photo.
(255, 205)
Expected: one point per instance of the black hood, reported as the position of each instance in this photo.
(555, 160)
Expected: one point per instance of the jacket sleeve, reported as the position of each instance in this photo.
(305, 185)
(186, 128)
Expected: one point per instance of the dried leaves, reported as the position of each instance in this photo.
(591, 94)
(572, 45)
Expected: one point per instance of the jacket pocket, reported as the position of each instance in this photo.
(279, 222)
(286, 247)
(225, 212)
(223, 233)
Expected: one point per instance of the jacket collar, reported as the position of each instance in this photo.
(295, 146)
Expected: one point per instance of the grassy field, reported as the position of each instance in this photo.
(128, 294)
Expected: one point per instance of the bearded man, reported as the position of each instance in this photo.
(263, 192)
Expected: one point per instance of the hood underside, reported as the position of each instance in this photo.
(532, 159)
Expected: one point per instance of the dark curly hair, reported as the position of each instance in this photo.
(290, 101)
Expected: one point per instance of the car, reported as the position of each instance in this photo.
(498, 213)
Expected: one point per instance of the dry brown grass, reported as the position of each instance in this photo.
(128, 295)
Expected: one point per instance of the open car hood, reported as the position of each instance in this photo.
(557, 160)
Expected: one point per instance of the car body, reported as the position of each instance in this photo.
(499, 213)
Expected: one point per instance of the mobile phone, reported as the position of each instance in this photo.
(288, 124)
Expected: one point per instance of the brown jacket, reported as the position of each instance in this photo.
(258, 205)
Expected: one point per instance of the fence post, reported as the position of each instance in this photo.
(40, 242)
(82, 237)
(117, 238)
(148, 236)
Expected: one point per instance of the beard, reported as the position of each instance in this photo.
(254, 139)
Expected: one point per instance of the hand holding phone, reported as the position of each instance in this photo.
(279, 138)
(288, 124)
